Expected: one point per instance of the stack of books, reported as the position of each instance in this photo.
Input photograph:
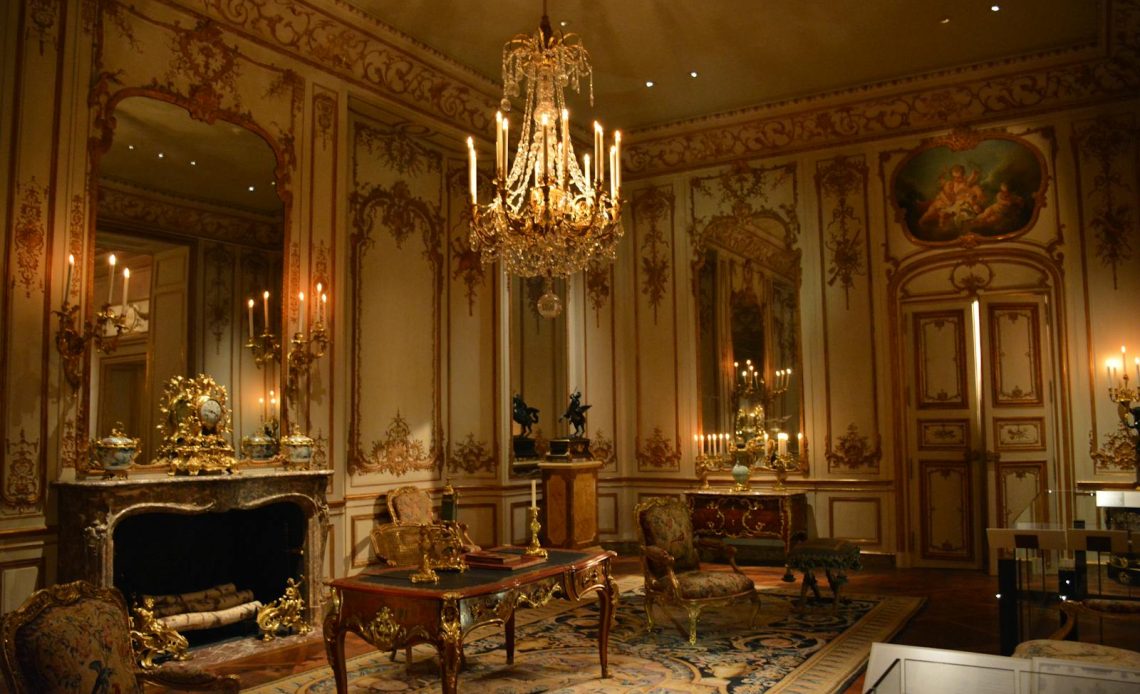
(493, 559)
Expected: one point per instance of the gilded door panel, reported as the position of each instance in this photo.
(943, 434)
(940, 359)
(1015, 354)
(947, 524)
(1022, 492)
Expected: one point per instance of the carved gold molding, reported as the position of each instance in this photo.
(471, 456)
(598, 275)
(397, 454)
(1118, 452)
(23, 487)
(657, 453)
(29, 233)
(651, 207)
(603, 448)
(838, 181)
(929, 102)
(853, 451)
(118, 204)
(1107, 145)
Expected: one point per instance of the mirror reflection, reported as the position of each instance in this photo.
(189, 227)
(748, 339)
(538, 358)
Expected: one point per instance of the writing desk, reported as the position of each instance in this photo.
(387, 610)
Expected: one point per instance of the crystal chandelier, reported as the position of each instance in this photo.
(549, 216)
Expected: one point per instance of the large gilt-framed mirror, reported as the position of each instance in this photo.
(539, 365)
(192, 209)
(747, 285)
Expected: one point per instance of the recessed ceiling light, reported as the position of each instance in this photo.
(944, 20)
(273, 183)
(649, 83)
(131, 147)
(693, 73)
(564, 22)
(161, 155)
(995, 8)
(193, 163)
(251, 189)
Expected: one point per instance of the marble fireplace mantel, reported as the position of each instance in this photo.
(90, 510)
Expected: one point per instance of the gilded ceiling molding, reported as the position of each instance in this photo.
(471, 457)
(853, 451)
(882, 110)
(219, 291)
(121, 205)
(359, 49)
(652, 209)
(657, 453)
(1107, 145)
(837, 181)
(401, 214)
(29, 234)
(1117, 454)
(23, 487)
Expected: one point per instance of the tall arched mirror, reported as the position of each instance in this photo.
(539, 367)
(748, 330)
(191, 210)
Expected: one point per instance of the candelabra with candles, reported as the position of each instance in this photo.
(534, 549)
(305, 349)
(1125, 397)
(265, 345)
(103, 330)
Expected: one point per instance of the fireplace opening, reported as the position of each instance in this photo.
(171, 553)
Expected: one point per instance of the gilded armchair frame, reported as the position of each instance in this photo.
(68, 595)
(663, 578)
(398, 541)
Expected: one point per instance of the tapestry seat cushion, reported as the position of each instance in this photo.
(669, 527)
(1075, 650)
(83, 647)
(696, 585)
(413, 508)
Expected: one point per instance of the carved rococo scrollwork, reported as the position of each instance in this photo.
(1117, 453)
(658, 452)
(382, 631)
(854, 451)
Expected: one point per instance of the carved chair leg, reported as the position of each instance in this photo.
(755, 609)
(694, 614)
(648, 612)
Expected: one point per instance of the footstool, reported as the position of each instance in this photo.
(834, 557)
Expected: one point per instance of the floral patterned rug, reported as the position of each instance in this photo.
(556, 650)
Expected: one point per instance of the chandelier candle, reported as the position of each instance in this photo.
(111, 281)
(547, 216)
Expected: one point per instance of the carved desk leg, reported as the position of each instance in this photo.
(509, 628)
(334, 642)
(606, 599)
(450, 644)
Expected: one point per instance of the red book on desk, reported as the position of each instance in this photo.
(507, 561)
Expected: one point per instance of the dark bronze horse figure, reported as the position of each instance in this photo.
(524, 414)
(576, 414)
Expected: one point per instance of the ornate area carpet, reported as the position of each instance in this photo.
(556, 650)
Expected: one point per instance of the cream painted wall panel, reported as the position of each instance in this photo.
(600, 387)
(19, 578)
(482, 520)
(608, 521)
(360, 527)
(854, 517)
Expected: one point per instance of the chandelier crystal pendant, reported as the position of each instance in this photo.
(549, 215)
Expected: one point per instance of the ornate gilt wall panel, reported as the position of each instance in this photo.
(1015, 354)
(947, 524)
(943, 434)
(1021, 493)
(940, 359)
(1019, 433)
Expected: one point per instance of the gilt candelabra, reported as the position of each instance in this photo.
(303, 351)
(71, 339)
(1125, 397)
(266, 348)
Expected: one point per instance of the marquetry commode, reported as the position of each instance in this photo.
(130, 533)
(740, 516)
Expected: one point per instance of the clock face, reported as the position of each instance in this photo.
(210, 412)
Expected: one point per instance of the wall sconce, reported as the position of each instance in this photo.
(71, 339)
(1124, 396)
(304, 350)
(265, 346)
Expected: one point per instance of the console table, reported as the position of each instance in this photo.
(724, 513)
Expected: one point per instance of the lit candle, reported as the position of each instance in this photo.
(261, 405)
(800, 443)
(272, 403)
(67, 284)
(249, 304)
(126, 284)
(324, 307)
(586, 171)
(617, 159)
(506, 143)
(613, 182)
(317, 306)
(498, 143)
(598, 143)
(265, 311)
(301, 311)
(781, 443)
(533, 494)
(471, 167)
(111, 282)
(1138, 371)
(565, 142)
(545, 160)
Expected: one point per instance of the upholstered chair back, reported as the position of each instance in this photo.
(71, 637)
(666, 523)
(410, 505)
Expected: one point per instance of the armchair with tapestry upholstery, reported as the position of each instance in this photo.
(76, 637)
(398, 541)
(672, 566)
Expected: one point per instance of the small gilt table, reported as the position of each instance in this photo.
(387, 610)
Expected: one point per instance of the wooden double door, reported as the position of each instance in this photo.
(980, 422)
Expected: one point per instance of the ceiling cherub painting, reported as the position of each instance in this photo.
(969, 187)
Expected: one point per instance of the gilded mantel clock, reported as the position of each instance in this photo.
(196, 427)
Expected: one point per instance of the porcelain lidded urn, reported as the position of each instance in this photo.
(297, 449)
(115, 453)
